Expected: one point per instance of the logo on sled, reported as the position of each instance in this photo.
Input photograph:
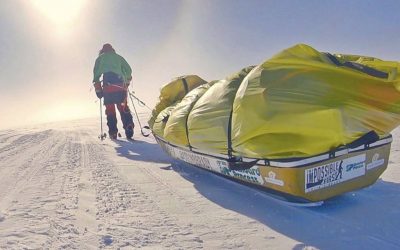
(376, 162)
(335, 172)
(273, 180)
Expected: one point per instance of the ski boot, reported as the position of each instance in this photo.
(112, 126)
(113, 135)
(129, 131)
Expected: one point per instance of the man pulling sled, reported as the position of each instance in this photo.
(116, 76)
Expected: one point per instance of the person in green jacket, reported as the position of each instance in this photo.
(116, 76)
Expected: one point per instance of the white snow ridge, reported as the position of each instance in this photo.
(63, 188)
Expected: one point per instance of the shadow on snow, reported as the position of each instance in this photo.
(364, 219)
(141, 151)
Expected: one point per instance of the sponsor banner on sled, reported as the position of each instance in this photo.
(252, 175)
(335, 172)
(220, 166)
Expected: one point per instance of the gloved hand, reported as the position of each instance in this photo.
(98, 89)
(129, 79)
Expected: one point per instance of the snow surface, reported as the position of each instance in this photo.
(63, 188)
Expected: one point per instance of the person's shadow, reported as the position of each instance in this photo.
(365, 219)
(139, 150)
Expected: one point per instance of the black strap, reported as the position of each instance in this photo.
(358, 66)
(241, 165)
(333, 59)
(187, 131)
(367, 138)
(229, 136)
(185, 85)
(367, 70)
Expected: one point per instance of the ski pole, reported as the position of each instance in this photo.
(137, 117)
(102, 135)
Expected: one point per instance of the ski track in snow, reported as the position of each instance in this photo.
(62, 188)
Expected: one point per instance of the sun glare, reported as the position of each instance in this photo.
(61, 13)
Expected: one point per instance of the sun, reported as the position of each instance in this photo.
(61, 13)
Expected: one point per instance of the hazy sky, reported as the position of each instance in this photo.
(48, 47)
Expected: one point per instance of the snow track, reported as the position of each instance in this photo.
(62, 188)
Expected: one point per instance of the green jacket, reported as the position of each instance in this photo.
(111, 62)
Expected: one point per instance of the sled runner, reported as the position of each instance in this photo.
(303, 180)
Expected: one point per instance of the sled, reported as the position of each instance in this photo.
(303, 125)
(305, 180)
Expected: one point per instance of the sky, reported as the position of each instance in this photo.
(48, 47)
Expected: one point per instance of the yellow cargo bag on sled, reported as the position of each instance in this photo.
(299, 103)
(302, 102)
